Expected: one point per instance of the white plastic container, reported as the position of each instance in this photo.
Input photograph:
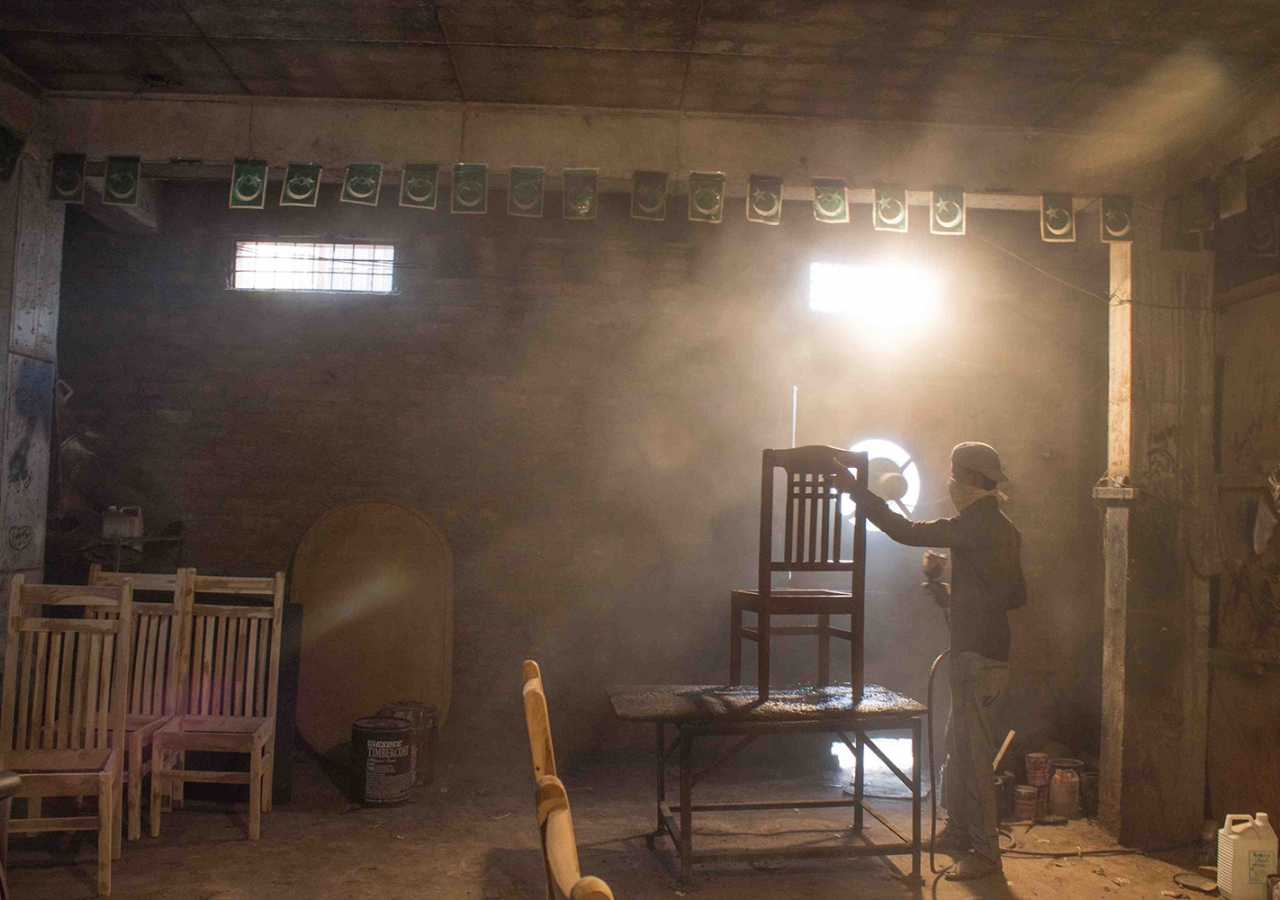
(1246, 856)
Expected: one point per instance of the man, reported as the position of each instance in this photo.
(986, 582)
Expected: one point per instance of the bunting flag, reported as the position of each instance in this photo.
(946, 211)
(301, 185)
(649, 196)
(764, 199)
(580, 197)
(1115, 220)
(419, 185)
(67, 181)
(831, 200)
(10, 149)
(120, 182)
(1057, 218)
(1233, 191)
(1198, 212)
(889, 208)
(1261, 221)
(248, 184)
(706, 197)
(525, 191)
(470, 188)
(362, 184)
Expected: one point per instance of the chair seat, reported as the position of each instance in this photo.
(795, 601)
(58, 762)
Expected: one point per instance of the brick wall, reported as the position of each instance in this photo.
(581, 406)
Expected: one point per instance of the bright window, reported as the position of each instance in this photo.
(885, 302)
(300, 266)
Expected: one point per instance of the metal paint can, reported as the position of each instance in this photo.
(1037, 769)
(1024, 801)
(381, 760)
(422, 727)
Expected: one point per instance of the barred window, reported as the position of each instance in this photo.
(301, 266)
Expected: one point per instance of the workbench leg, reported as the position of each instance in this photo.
(859, 778)
(662, 771)
(686, 803)
(735, 641)
(917, 778)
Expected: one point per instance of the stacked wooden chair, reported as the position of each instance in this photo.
(812, 538)
(62, 725)
(228, 696)
(555, 822)
(155, 674)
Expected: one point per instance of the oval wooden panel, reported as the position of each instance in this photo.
(376, 584)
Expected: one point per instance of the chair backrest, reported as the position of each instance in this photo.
(560, 847)
(234, 645)
(813, 523)
(65, 677)
(538, 722)
(157, 663)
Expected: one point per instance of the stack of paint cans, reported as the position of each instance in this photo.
(1038, 776)
(1024, 802)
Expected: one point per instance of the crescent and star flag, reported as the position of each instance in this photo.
(706, 197)
(248, 184)
(889, 208)
(362, 184)
(525, 190)
(649, 196)
(301, 185)
(580, 197)
(121, 180)
(67, 181)
(470, 188)
(1115, 220)
(1057, 218)
(946, 211)
(764, 199)
(831, 200)
(420, 185)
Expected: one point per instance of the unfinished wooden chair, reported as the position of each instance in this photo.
(537, 721)
(63, 720)
(812, 536)
(230, 690)
(560, 847)
(155, 675)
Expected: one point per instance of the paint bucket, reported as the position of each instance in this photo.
(1064, 788)
(1024, 802)
(1038, 769)
(381, 760)
(1089, 795)
(422, 730)
(1005, 784)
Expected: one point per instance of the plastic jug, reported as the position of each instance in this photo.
(1246, 856)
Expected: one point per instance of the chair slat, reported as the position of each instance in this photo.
(38, 689)
(148, 652)
(251, 669)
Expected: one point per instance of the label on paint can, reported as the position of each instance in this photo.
(381, 750)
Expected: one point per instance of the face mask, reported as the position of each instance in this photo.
(963, 495)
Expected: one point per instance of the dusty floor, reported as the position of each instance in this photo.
(474, 836)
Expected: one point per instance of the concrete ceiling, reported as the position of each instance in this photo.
(1039, 63)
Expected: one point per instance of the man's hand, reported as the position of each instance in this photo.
(933, 565)
(847, 484)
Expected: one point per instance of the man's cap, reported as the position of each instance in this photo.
(978, 457)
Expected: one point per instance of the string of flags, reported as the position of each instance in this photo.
(1197, 210)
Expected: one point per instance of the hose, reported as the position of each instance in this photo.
(933, 771)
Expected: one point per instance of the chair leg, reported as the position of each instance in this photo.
(158, 780)
(255, 792)
(762, 649)
(117, 814)
(824, 649)
(106, 843)
(268, 772)
(735, 641)
(134, 781)
(175, 787)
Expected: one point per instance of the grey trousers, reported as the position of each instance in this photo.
(968, 786)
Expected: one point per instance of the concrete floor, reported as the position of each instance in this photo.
(473, 835)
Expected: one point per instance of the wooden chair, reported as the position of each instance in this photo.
(9, 784)
(230, 691)
(63, 722)
(555, 822)
(539, 724)
(155, 675)
(811, 542)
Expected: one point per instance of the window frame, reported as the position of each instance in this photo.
(237, 241)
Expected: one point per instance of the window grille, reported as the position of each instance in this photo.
(302, 266)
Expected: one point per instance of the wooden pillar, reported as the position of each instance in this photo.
(1155, 620)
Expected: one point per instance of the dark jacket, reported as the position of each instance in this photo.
(986, 569)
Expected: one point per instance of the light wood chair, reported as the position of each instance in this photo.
(63, 721)
(155, 675)
(538, 722)
(230, 691)
(812, 531)
(555, 822)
